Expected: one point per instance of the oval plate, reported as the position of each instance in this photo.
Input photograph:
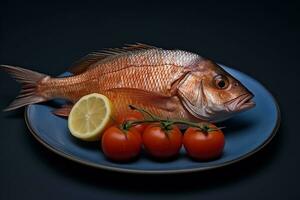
(245, 133)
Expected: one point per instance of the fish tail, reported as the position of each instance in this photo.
(29, 80)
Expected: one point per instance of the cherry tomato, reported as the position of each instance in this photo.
(121, 145)
(203, 145)
(162, 143)
(132, 115)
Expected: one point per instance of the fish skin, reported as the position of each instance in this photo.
(153, 70)
(169, 83)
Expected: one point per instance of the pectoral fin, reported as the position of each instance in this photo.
(147, 97)
(63, 111)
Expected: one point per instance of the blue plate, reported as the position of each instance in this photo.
(246, 133)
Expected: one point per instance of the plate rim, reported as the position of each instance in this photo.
(171, 171)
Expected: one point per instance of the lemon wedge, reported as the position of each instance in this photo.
(90, 116)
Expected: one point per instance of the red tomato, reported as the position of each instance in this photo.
(203, 146)
(119, 145)
(161, 143)
(132, 115)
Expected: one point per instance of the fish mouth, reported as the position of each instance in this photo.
(241, 103)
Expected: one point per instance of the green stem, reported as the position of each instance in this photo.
(137, 122)
(201, 125)
(144, 112)
(166, 123)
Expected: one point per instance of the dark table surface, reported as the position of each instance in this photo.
(260, 39)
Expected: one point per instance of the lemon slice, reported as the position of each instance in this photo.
(90, 116)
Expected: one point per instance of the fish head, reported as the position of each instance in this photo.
(210, 93)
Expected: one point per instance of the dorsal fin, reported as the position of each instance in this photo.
(84, 63)
(87, 61)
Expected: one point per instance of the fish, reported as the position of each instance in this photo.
(173, 84)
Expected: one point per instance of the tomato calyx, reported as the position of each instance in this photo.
(166, 125)
(125, 126)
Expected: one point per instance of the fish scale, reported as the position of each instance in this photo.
(151, 70)
(169, 83)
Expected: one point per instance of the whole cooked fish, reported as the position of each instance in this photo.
(169, 83)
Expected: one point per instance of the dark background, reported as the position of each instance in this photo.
(258, 38)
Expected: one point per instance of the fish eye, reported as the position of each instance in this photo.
(221, 82)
